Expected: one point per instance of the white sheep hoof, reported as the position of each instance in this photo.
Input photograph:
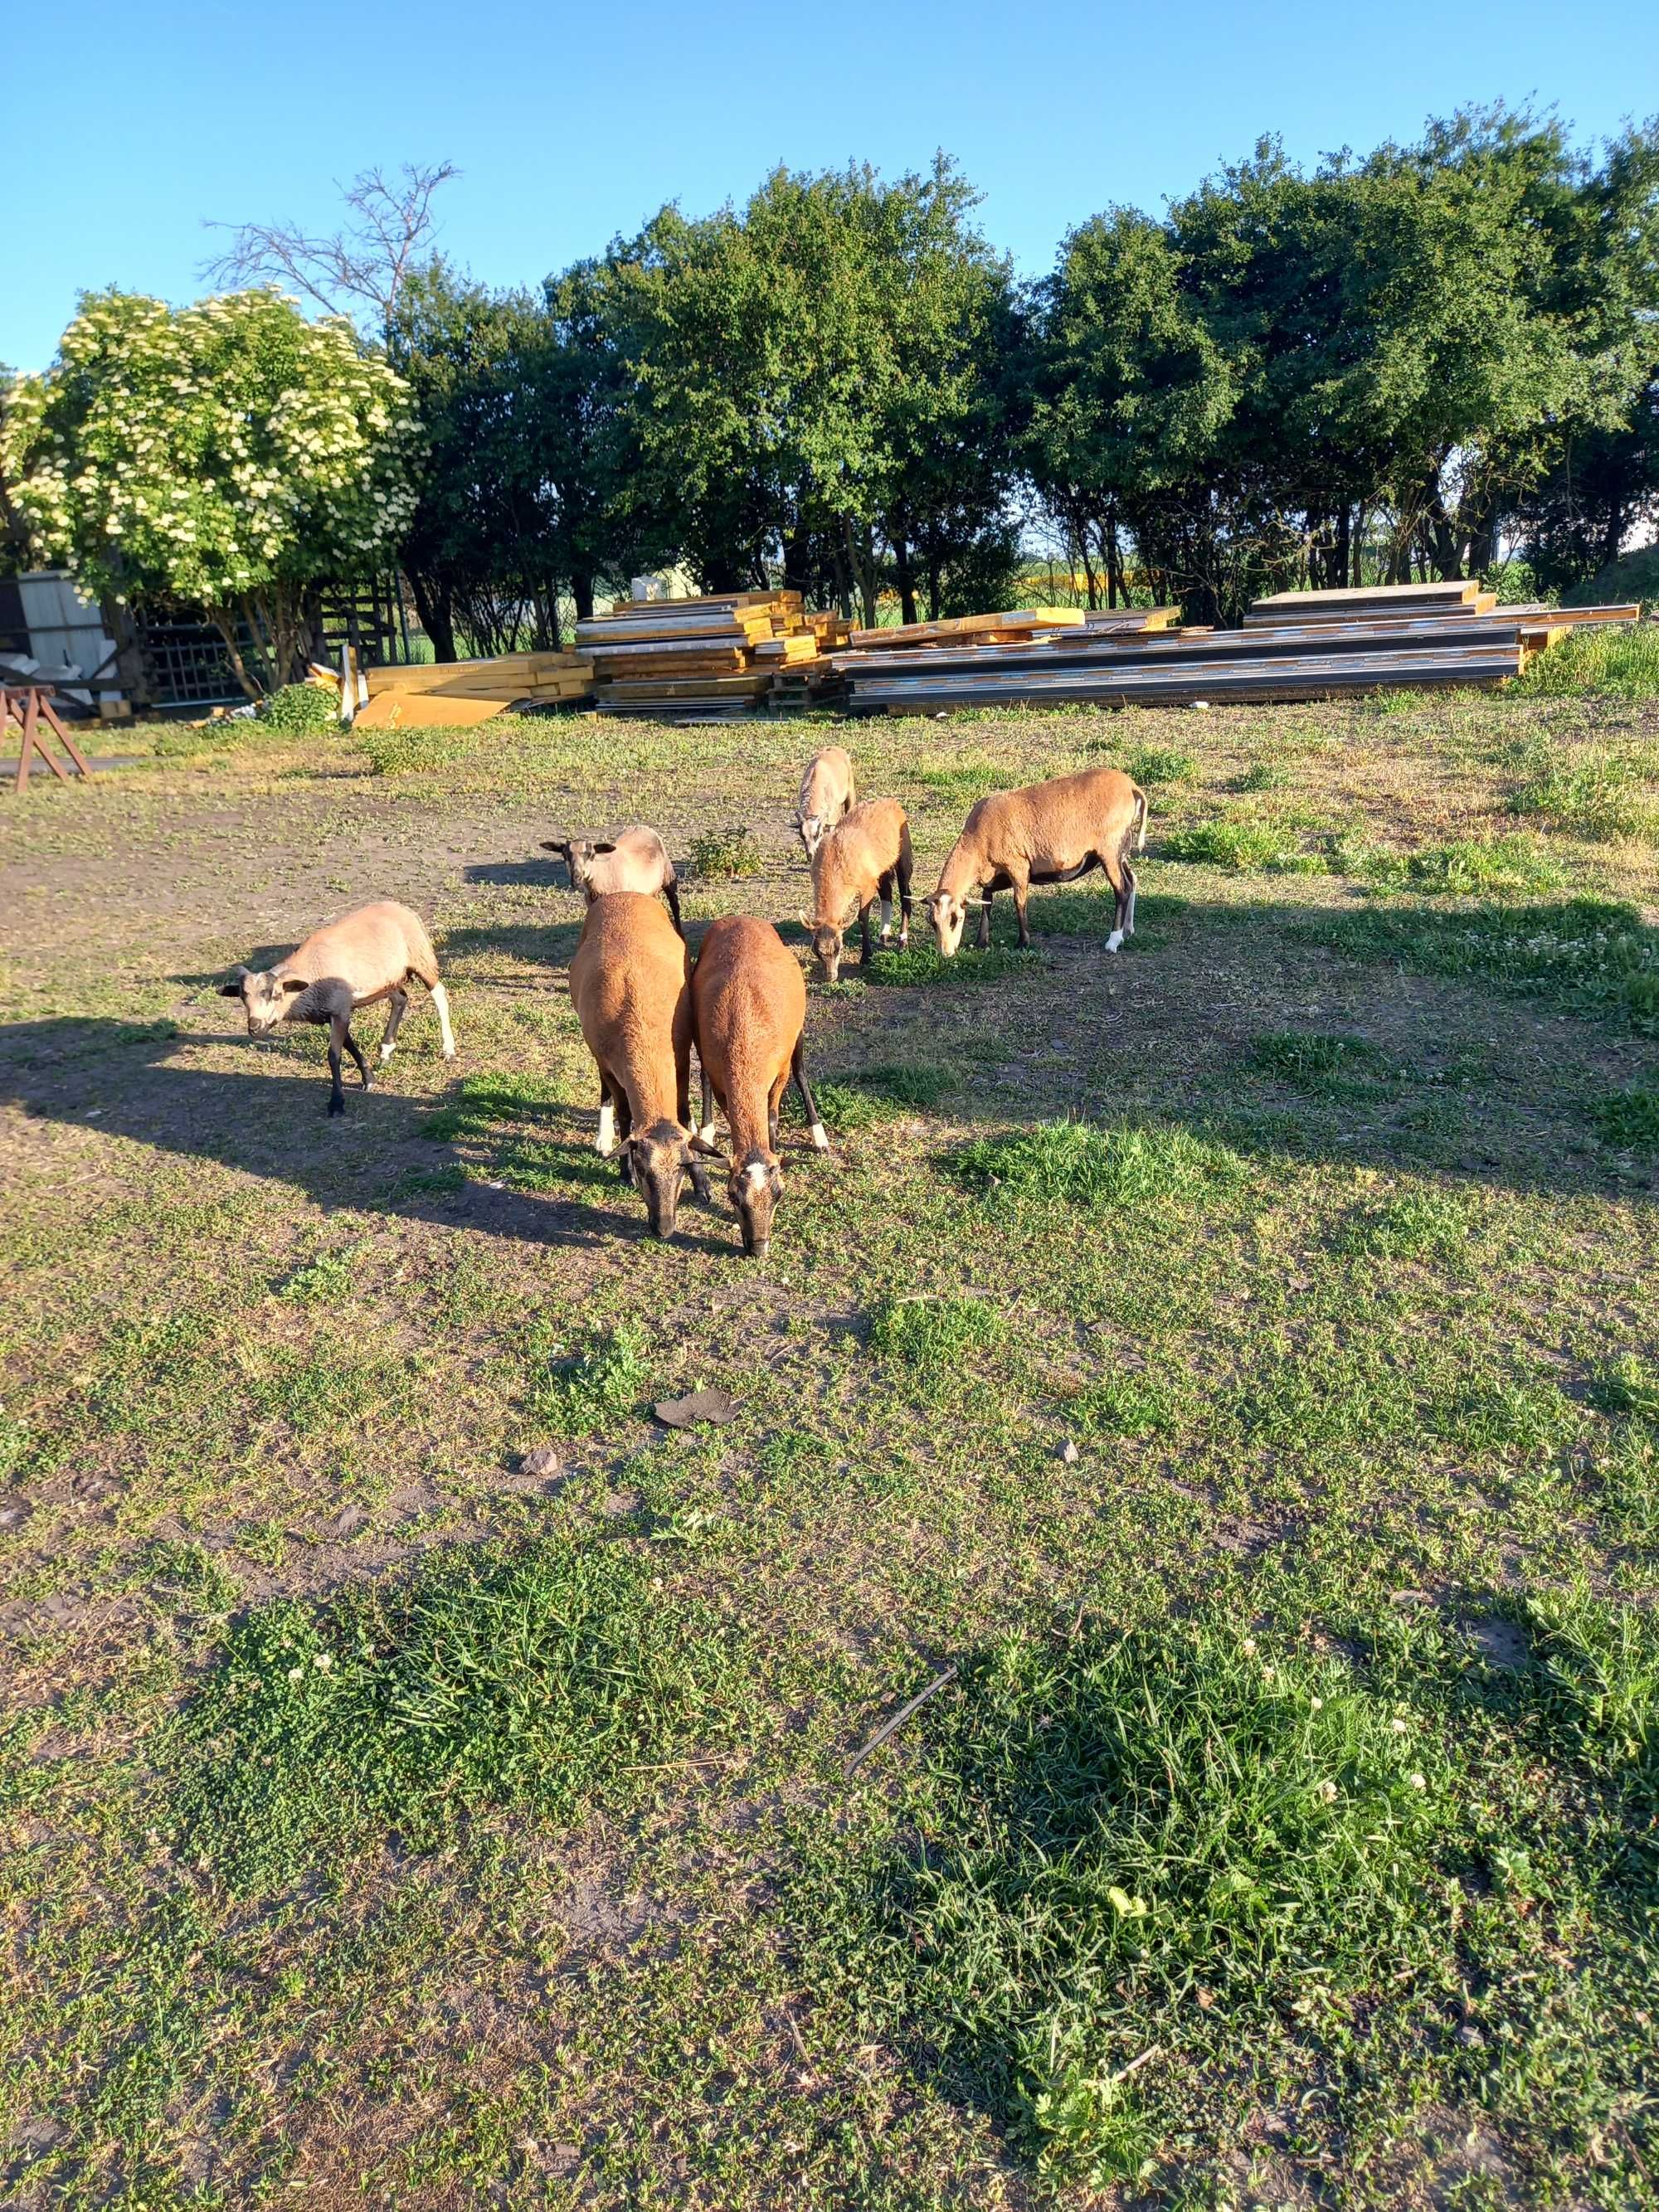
(1115, 940)
(385, 1054)
(707, 1133)
(820, 1137)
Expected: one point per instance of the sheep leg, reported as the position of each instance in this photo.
(814, 1124)
(1115, 873)
(983, 940)
(604, 1142)
(356, 1050)
(884, 890)
(706, 1118)
(1021, 888)
(441, 1006)
(906, 863)
(864, 931)
(1126, 916)
(394, 1023)
(671, 892)
(337, 1033)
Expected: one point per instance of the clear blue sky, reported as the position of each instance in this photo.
(570, 124)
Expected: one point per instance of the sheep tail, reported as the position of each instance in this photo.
(1139, 818)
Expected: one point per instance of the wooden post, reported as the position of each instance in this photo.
(26, 708)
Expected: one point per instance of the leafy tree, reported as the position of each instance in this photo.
(229, 456)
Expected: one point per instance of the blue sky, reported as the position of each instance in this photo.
(571, 124)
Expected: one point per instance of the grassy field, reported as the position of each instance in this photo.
(1238, 1359)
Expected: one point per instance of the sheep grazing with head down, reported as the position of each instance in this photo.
(372, 954)
(828, 792)
(747, 1010)
(629, 985)
(634, 859)
(861, 860)
(1046, 833)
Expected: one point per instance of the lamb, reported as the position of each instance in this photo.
(747, 1010)
(368, 955)
(635, 860)
(858, 862)
(629, 985)
(1045, 833)
(826, 793)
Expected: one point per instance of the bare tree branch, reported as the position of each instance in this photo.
(361, 266)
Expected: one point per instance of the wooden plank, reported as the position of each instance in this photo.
(420, 710)
(1357, 595)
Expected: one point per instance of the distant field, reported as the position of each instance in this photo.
(382, 1822)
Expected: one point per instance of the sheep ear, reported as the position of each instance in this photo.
(556, 845)
(698, 1144)
(609, 846)
(233, 989)
(294, 983)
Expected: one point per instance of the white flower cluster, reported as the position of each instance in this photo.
(212, 453)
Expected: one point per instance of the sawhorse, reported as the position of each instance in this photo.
(26, 707)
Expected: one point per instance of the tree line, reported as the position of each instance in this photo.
(1407, 364)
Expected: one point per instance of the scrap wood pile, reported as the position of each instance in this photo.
(448, 692)
(1295, 645)
(696, 659)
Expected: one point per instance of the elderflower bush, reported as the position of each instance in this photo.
(229, 455)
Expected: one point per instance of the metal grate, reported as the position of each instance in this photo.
(186, 664)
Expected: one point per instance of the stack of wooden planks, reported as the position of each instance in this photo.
(702, 658)
(411, 696)
(1303, 645)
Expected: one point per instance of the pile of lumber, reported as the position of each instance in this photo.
(462, 692)
(1296, 645)
(705, 659)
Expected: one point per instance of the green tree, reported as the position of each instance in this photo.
(229, 456)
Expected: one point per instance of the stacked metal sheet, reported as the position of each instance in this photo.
(1308, 645)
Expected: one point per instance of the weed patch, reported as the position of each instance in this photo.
(1418, 1224)
(581, 1392)
(925, 1332)
(481, 1103)
(1073, 1164)
(726, 855)
(1629, 1120)
(1469, 867)
(541, 1677)
(1240, 846)
(1318, 1064)
(1152, 765)
(920, 964)
(965, 783)
(1597, 796)
(1597, 662)
(1590, 955)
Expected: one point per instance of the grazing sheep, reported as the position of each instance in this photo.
(826, 793)
(857, 863)
(747, 1010)
(628, 985)
(1046, 833)
(368, 954)
(635, 860)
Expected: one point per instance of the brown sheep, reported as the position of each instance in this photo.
(634, 859)
(367, 956)
(1045, 833)
(828, 792)
(629, 985)
(747, 1010)
(859, 862)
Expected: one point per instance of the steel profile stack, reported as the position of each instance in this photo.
(700, 659)
(1306, 645)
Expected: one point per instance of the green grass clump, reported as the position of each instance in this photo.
(1138, 1406)
(320, 1281)
(1239, 846)
(920, 964)
(402, 752)
(1596, 661)
(579, 1393)
(725, 856)
(965, 783)
(1597, 796)
(481, 1103)
(924, 1331)
(543, 1677)
(300, 710)
(1106, 1828)
(1629, 1386)
(1320, 1064)
(1132, 1888)
(876, 1094)
(1420, 1224)
(1263, 775)
(1629, 1120)
(1593, 956)
(1151, 765)
(1468, 868)
(1073, 1164)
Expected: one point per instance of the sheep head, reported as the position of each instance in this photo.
(659, 1163)
(266, 997)
(827, 950)
(813, 831)
(755, 1187)
(949, 915)
(577, 854)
